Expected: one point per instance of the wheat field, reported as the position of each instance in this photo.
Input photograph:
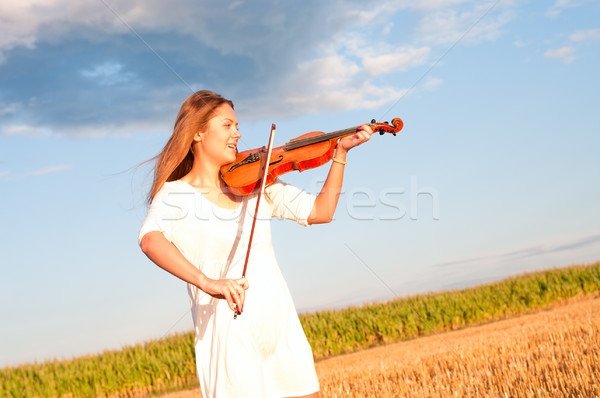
(551, 353)
(443, 353)
(547, 354)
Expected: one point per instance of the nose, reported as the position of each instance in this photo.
(236, 133)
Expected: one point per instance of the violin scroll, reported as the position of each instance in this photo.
(385, 127)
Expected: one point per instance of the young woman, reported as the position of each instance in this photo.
(198, 231)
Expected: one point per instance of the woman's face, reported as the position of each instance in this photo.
(218, 143)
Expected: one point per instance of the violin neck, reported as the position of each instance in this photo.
(295, 144)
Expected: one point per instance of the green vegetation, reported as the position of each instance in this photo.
(169, 363)
(355, 328)
(157, 365)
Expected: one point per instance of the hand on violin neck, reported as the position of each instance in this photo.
(363, 134)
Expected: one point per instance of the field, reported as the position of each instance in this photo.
(549, 353)
(168, 364)
(553, 353)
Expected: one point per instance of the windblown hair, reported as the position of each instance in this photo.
(176, 158)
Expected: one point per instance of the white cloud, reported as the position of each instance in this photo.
(341, 79)
(558, 7)
(51, 170)
(235, 4)
(252, 29)
(108, 74)
(14, 29)
(584, 35)
(564, 53)
(480, 23)
(26, 130)
(430, 5)
(329, 72)
(25, 23)
(396, 61)
(522, 43)
(333, 83)
(318, 58)
(9, 109)
(124, 128)
(364, 97)
(432, 83)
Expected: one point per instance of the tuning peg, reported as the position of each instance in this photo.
(372, 120)
(381, 132)
(394, 134)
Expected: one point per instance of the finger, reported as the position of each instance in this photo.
(241, 290)
(237, 299)
(229, 300)
(364, 135)
(242, 300)
(363, 132)
(360, 137)
(367, 128)
(243, 282)
(237, 295)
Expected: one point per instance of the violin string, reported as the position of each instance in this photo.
(437, 61)
(294, 144)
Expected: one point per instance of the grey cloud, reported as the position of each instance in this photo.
(71, 67)
(528, 251)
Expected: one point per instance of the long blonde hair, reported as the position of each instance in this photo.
(176, 158)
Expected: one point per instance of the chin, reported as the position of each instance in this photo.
(229, 159)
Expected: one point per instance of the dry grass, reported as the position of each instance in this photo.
(168, 364)
(551, 353)
(547, 354)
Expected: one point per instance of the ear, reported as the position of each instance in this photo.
(199, 136)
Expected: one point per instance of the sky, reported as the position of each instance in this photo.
(495, 173)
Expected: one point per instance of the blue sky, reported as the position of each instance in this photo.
(495, 173)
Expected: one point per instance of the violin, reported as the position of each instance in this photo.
(307, 151)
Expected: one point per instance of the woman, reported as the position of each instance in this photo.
(198, 231)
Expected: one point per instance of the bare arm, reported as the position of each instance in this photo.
(164, 254)
(326, 202)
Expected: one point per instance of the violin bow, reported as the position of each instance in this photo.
(258, 196)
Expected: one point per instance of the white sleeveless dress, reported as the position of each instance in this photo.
(264, 352)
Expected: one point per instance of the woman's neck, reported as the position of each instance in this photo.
(207, 180)
(203, 175)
